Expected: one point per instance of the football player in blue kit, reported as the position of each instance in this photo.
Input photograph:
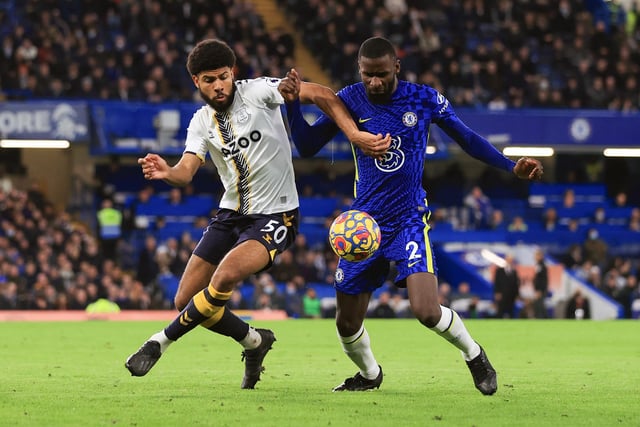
(389, 187)
(242, 130)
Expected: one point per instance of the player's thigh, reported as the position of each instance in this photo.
(247, 258)
(350, 312)
(195, 278)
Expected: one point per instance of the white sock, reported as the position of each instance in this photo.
(252, 340)
(358, 348)
(161, 338)
(451, 328)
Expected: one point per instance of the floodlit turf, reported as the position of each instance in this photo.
(550, 373)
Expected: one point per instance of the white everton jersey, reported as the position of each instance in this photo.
(250, 147)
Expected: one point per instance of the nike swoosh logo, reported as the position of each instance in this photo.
(411, 264)
(361, 120)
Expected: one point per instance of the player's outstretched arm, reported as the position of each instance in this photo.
(308, 139)
(332, 106)
(370, 144)
(478, 147)
(155, 167)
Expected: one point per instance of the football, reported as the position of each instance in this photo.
(354, 235)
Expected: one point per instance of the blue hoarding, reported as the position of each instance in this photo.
(45, 120)
(136, 128)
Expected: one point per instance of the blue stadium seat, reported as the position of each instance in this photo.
(546, 194)
(316, 210)
(316, 234)
(169, 285)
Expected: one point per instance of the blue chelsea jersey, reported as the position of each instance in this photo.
(390, 188)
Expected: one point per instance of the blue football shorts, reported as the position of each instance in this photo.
(408, 246)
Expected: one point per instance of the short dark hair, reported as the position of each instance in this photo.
(376, 47)
(210, 54)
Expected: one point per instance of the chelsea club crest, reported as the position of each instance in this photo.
(409, 119)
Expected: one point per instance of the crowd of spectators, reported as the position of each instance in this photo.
(508, 53)
(126, 50)
(49, 260)
(500, 54)
(479, 53)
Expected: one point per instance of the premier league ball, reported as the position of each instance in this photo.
(354, 235)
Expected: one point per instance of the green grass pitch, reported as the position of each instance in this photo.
(550, 373)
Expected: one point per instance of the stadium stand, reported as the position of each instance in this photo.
(507, 54)
(510, 54)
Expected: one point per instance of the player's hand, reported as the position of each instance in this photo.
(371, 145)
(528, 168)
(289, 87)
(154, 167)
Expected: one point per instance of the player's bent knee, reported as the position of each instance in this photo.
(347, 328)
(180, 302)
(428, 316)
(226, 280)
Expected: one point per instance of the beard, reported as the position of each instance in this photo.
(379, 98)
(219, 105)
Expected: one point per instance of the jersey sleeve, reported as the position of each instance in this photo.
(264, 90)
(309, 139)
(472, 143)
(196, 141)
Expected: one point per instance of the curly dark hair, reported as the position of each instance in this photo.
(210, 54)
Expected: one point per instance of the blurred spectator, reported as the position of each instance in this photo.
(401, 306)
(311, 306)
(237, 301)
(463, 292)
(595, 249)
(613, 282)
(284, 267)
(480, 207)
(148, 268)
(517, 224)
(620, 199)
(540, 286)
(8, 296)
(383, 309)
(266, 294)
(310, 266)
(109, 228)
(568, 198)
(176, 198)
(550, 219)
(497, 222)
(131, 219)
(6, 183)
(506, 287)
(573, 225)
(634, 220)
(627, 294)
(464, 302)
(578, 307)
(599, 215)
(444, 294)
(293, 300)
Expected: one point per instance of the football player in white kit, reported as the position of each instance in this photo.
(242, 129)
